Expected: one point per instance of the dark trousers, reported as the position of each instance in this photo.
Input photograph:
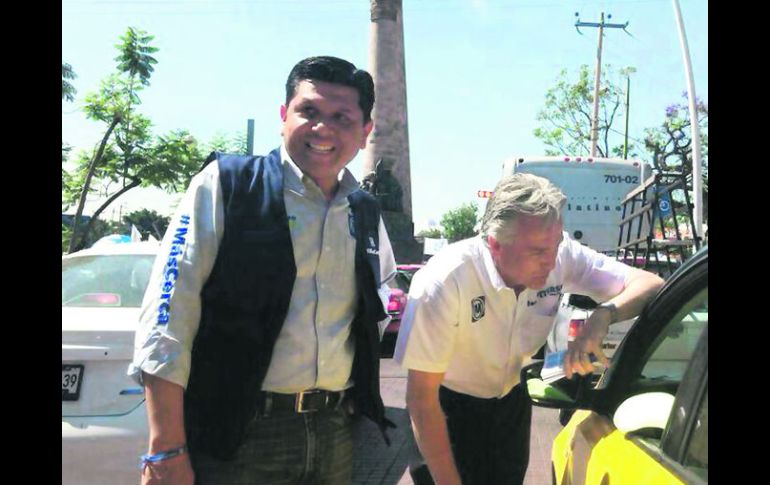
(489, 437)
(286, 449)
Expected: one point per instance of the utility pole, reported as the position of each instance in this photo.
(250, 137)
(628, 102)
(697, 182)
(601, 26)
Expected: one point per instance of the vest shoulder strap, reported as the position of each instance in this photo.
(366, 224)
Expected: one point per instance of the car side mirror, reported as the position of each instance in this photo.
(559, 394)
(644, 413)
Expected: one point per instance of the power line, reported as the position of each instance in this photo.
(601, 25)
(621, 133)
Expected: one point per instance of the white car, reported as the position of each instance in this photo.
(104, 423)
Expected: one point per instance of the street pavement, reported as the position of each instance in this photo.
(375, 463)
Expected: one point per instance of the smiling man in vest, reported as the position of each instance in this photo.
(260, 326)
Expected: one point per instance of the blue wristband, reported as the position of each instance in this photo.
(162, 455)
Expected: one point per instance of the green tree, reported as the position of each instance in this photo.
(670, 144)
(66, 234)
(146, 222)
(66, 179)
(127, 153)
(135, 61)
(434, 233)
(233, 143)
(568, 113)
(99, 229)
(68, 91)
(167, 162)
(113, 104)
(460, 223)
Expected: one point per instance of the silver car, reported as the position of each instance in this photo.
(104, 423)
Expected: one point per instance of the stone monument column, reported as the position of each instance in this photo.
(387, 151)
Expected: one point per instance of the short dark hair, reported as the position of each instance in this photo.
(337, 71)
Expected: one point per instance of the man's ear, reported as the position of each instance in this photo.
(283, 112)
(494, 245)
(368, 126)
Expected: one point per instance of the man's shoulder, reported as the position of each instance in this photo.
(454, 260)
(237, 161)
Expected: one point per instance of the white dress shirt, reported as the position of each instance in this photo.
(462, 320)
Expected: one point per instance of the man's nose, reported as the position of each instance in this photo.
(321, 126)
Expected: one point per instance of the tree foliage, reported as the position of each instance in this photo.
(129, 154)
(670, 144)
(460, 223)
(147, 222)
(68, 91)
(433, 233)
(99, 229)
(566, 119)
(135, 58)
(232, 143)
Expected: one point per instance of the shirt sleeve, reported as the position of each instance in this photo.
(171, 307)
(430, 324)
(593, 274)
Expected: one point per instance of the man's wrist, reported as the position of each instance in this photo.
(153, 458)
(158, 445)
(611, 308)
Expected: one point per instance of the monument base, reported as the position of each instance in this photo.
(401, 232)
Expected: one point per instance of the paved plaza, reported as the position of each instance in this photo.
(375, 463)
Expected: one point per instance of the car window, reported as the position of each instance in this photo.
(678, 341)
(697, 455)
(105, 280)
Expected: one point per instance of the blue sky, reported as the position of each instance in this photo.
(477, 72)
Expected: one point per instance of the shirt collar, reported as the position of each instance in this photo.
(296, 180)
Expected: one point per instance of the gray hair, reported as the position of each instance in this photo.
(520, 194)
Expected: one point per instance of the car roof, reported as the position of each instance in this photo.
(145, 247)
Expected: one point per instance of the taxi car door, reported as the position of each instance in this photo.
(675, 360)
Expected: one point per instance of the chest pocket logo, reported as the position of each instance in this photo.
(478, 308)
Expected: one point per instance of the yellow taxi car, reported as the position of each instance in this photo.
(646, 419)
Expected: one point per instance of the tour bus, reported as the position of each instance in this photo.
(595, 189)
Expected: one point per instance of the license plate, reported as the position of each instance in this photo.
(71, 379)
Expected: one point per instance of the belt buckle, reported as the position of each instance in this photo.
(299, 402)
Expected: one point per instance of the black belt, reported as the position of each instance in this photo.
(303, 402)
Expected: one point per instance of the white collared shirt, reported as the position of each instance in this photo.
(461, 318)
(313, 349)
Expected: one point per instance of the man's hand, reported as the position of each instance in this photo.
(641, 287)
(429, 426)
(587, 343)
(174, 471)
